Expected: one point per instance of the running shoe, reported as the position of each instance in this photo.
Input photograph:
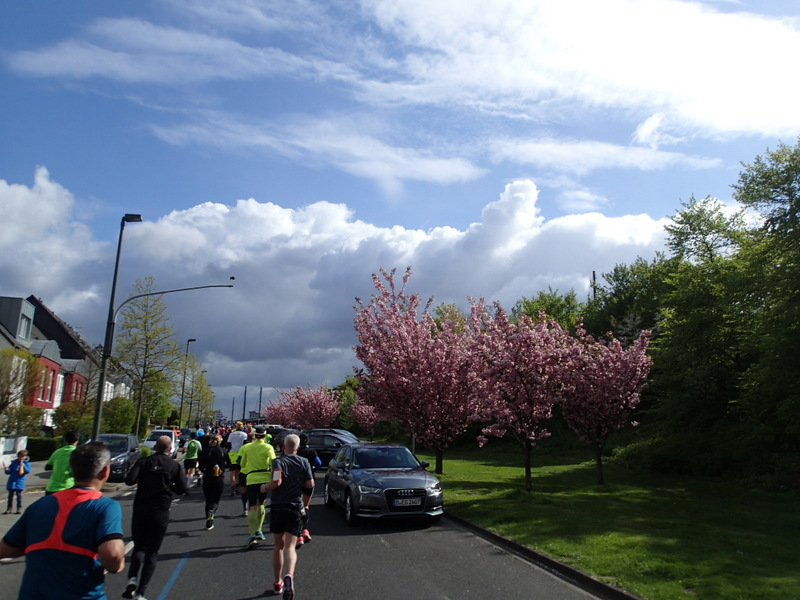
(260, 535)
(252, 543)
(288, 588)
(277, 587)
(299, 543)
(130, 589)
(306, 536)
(209, 524)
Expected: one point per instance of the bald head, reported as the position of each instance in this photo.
(162, 444)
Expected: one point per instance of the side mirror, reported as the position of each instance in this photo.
(425, 464)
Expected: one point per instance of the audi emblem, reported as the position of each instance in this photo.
(405, 492)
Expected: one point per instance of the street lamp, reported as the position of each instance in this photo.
(101, 384)
(110, 332)
(183, 386)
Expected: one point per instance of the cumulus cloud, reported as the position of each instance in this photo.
(288, 320)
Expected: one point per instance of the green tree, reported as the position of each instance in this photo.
(156, 402)
(199, 396)
(564, 309)
(771, 186)
(76, 416)
(20, 373)
(21, 419)
(148, 349)
(631, 300)
(118, 415)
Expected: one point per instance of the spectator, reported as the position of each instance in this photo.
(17, 472)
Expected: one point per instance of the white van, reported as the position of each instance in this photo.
(150, 441)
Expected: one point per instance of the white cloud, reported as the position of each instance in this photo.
(288, 320)
(582, 157)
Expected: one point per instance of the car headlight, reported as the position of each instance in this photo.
(435, 488)
(369, 489)
(118, 460)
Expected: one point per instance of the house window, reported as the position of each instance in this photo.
(25, 326)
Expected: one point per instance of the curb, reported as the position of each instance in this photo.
(570, 574)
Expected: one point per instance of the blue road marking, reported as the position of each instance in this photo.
(173, 577)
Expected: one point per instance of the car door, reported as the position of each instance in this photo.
(338, 472)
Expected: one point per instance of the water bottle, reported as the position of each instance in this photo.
(216, 470)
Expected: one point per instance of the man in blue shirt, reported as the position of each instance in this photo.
(69, 537)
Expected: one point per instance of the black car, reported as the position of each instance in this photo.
(278, 433)
(125, 451)
(382, 480)
(328, 441)
(185, 436)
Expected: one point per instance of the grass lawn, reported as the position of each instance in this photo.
(659, 537)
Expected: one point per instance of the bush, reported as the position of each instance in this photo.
(40, 448)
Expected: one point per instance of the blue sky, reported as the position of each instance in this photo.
(497, 147)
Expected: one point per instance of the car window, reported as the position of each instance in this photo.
(114, 444)
(343, 454)
(384, 458)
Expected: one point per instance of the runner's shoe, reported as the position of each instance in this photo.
(299, 543)
(260, 535)
(209, 524)
(288, 588)
(130, 589)
(305, 536)
(277, 587)
(251, 543)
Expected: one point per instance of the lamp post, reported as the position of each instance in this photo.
(183, 386)
(109, 339)
(112, 317)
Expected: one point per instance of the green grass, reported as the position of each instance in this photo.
(659, 537)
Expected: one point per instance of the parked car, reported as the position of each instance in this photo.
(328, 441)
(185, 436)
(372, 480)
(125, 451)
(150, 441)
(278, 433)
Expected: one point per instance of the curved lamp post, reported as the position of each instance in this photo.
(110, 336)
(101, 384)
(183, 385)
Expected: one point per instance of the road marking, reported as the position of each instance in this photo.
(173, 578)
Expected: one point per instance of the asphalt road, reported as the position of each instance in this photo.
(385, 560)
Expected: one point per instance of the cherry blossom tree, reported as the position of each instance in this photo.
(306, 407)
(418, 370)
(365, 416)
(604, 387)
(526, 361)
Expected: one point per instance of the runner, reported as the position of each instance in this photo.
(236, 439)
(158, 478)
(257, 465)
(212, 460)
(291, 487)
(69, 538)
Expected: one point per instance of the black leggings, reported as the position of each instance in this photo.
(212, 490)
(148, 532)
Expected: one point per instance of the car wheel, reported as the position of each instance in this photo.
(349, 510)
(326, 496)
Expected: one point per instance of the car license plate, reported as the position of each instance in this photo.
(408, 501)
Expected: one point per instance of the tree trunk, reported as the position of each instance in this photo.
(528, 478)
(439, 461)
(598, 459)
